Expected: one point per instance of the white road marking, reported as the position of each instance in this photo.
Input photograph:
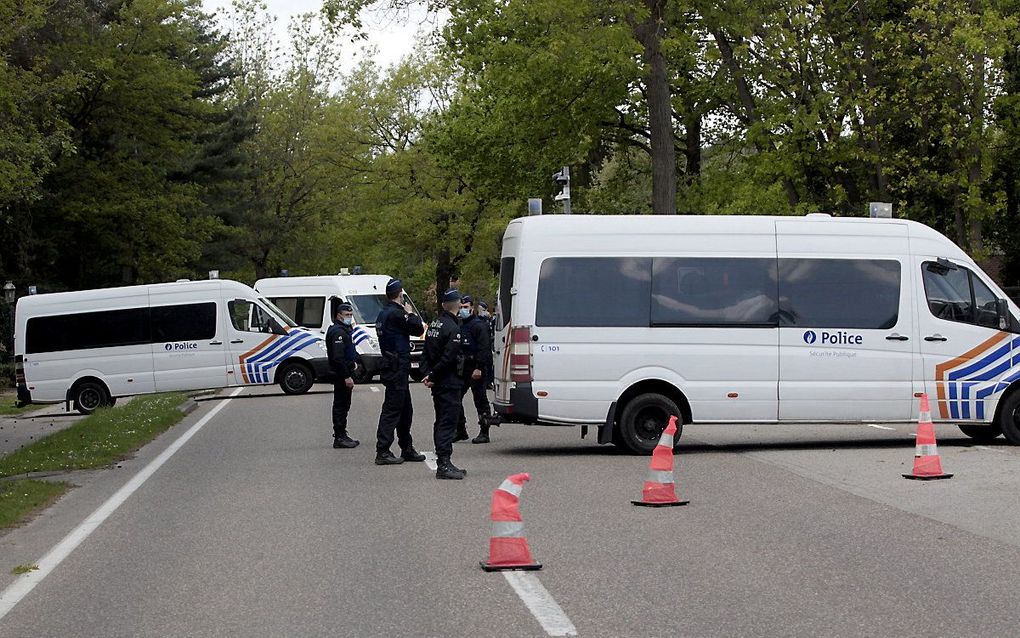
(27, 582)
(430, 460)
(540, 603)
(878, 427)
(373, 388)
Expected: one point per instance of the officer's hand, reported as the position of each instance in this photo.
(476, 375)
(408, 308)
(349, 382)
(427, 382)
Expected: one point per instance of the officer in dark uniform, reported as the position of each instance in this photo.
(395, 324)
(342, 363)
(444, 368)
(490, 323)
(476, 346)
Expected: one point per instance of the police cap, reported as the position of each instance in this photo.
(451, 295)
(394, 285)
(467, 299)
(345, 307)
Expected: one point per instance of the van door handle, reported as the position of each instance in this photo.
(935, 337)
(898, 337)
(237, 341)
(215, 343)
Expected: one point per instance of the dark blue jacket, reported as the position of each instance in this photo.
(340, 350)
(443, 360)
(394, 326)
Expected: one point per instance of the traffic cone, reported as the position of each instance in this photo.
(508, 548)
(927, 465)
(659, 488)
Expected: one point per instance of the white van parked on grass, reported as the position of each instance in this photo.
(312, 302)
(92, 346)
(620, 321)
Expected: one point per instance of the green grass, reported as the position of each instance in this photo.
(99, 439)
(7, 405)
(21, 499)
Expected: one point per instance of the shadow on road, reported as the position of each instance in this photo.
(698, 447)
(280, 395)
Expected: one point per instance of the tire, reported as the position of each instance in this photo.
(643, 419)
(89, 396)
(361, 375)
(1009, 418)
(980, 433)
(295, 378)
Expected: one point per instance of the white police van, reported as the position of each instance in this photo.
(312, 302)
(620, 321)
(92, 346)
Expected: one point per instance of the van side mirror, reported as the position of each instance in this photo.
(1002, 310)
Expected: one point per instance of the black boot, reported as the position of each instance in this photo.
(483, 434)
(411, 454)
(387, 458)
(445, 470)
(344, 441)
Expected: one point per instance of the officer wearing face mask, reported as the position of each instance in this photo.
(343, 363)
(490, 323)
(444, 366)
(476, 347)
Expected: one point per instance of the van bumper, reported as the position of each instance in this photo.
(522, 408)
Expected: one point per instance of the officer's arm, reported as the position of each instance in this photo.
(412, 325)
(447, 362)
(484, 348)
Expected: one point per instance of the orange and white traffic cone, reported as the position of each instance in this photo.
(660, 490)
(927, 464)
(508, 548)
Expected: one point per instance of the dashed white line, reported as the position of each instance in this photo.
(878, 427)
(430, 460)
(540, 603)
(27, 582)
(990, 449)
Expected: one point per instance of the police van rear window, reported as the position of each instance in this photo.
(506, 284)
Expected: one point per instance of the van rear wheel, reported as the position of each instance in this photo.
(89, 396)
(296, 378)
(643, 419)
(1009, 418)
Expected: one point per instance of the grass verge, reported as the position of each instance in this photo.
(7, 408)
(21, 499)
(99, 439)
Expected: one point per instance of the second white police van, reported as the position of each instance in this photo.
(620, 321)
(91, 346)
(312, 302)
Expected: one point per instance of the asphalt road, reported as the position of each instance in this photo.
(257, 527)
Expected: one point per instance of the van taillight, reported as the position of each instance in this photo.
(19, 370)
(520, 354)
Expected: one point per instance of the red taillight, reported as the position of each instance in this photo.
(520, 354)
(19, 370)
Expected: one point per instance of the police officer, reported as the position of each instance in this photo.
(444, 367)
(395, 324)
(342, 363)
(476, 346)
(490, 323)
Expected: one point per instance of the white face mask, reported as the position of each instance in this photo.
(483, 314)
(347, 321)
(464, 313)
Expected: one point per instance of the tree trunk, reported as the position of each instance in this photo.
(692, 146)
(650, 33)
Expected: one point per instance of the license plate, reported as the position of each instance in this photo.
(414, 365)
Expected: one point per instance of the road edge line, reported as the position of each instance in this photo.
(21, 587)
(540, 603)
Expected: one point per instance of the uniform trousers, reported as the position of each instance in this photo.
(341, 407)
(396, 411)
(447, 401)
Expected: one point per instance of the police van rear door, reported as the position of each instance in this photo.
(847, 335)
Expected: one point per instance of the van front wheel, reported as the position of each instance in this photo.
(1009, 418)
(643, 419)
(296, 378)
(89, 396)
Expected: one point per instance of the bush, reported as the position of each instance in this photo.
(6, 375)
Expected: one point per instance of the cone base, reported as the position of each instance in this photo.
(933, 477)
(650, 504)
(506, 568)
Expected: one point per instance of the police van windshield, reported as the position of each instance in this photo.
(368, 307)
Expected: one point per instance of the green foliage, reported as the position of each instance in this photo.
(19, 500)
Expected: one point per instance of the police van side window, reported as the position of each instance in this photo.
(711, 291)
(247, 316)
(87, 330)
(954, 293)
(594, 292)
(304, 311)
(506, 282)
(862, 294)
(187, 322)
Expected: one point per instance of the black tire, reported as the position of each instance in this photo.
(361, 375)
(89, 396)
(295, 378)
(980, 433)
(1009, 418)
(642, 421)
